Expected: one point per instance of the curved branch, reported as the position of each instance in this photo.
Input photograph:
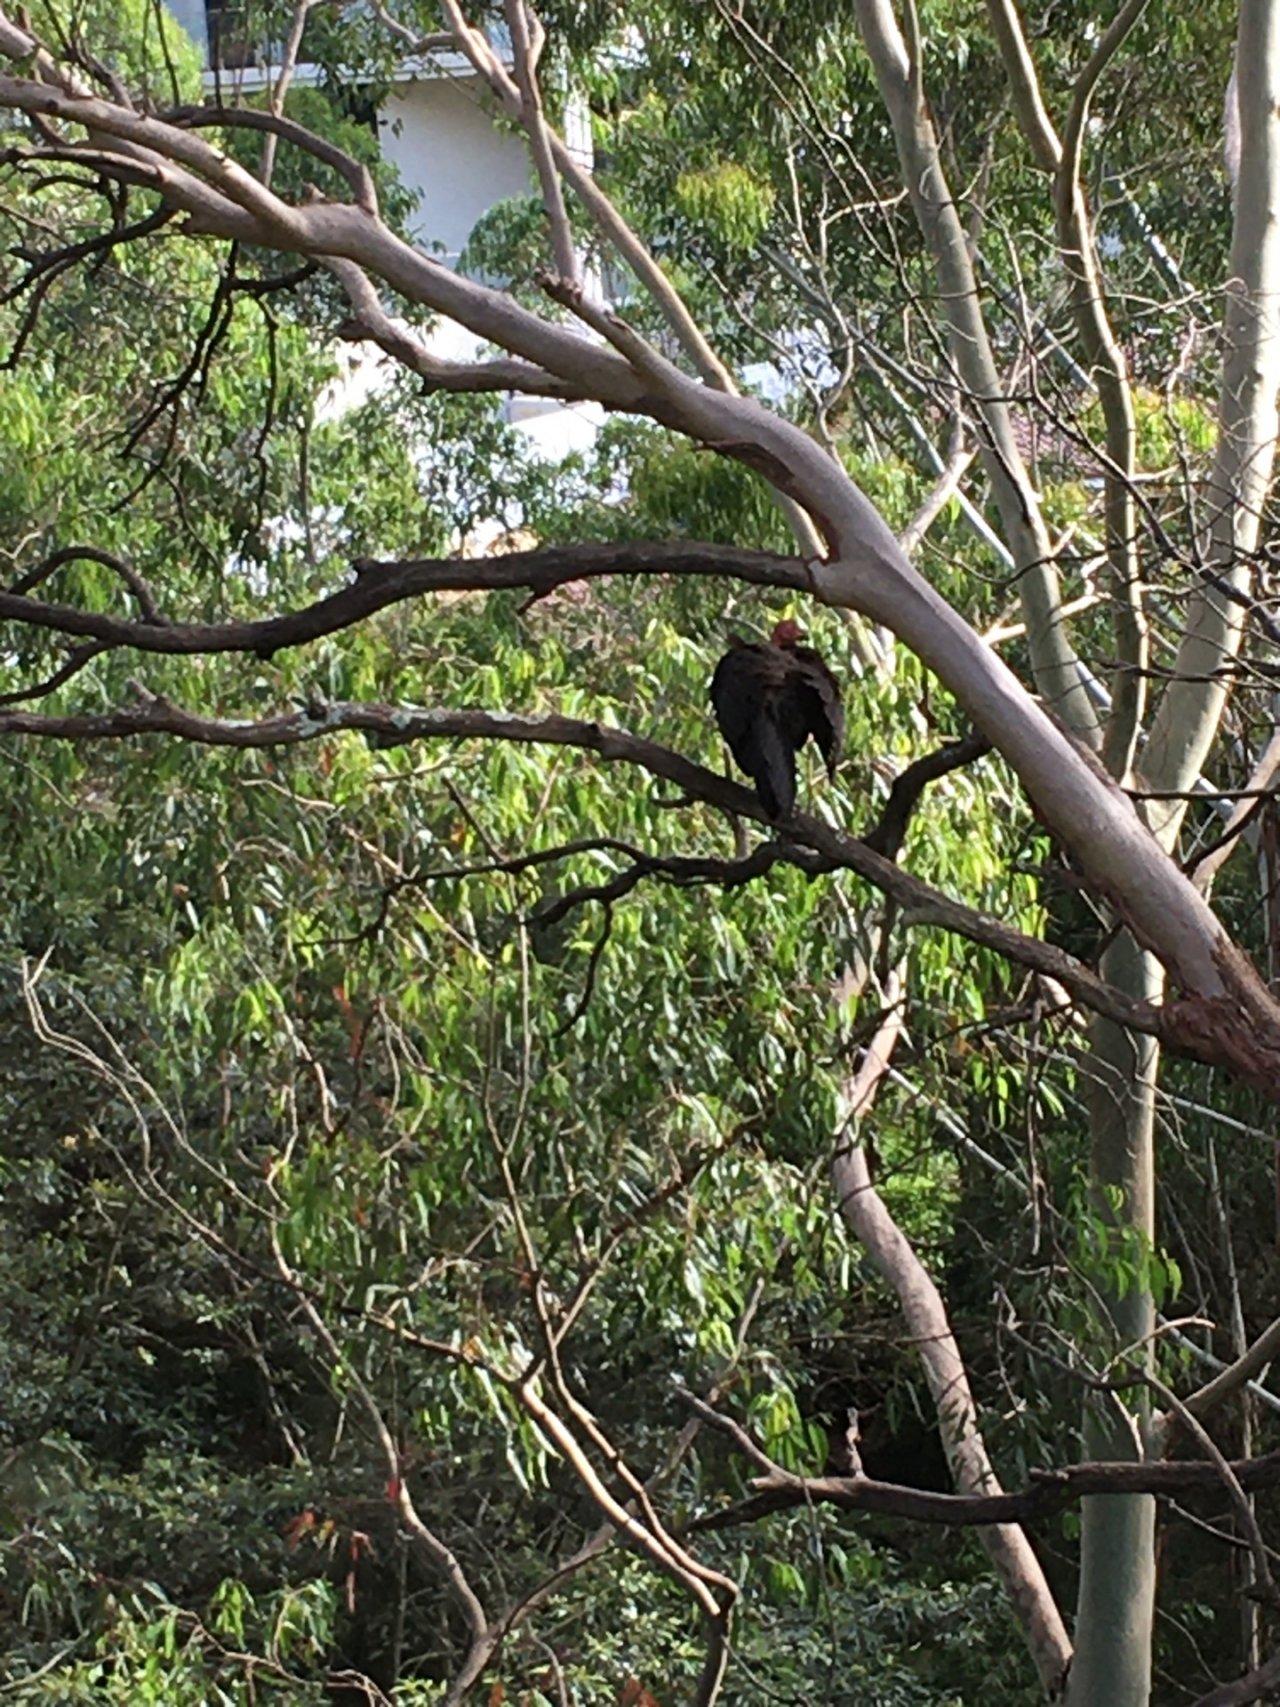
(357, 174)
(432, 1545)
(49, 565)
(888, 835)
(379, 585)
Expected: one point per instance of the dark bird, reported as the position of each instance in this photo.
(768, 701)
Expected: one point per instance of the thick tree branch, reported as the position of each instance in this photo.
(379, 585)
(1051, 1491)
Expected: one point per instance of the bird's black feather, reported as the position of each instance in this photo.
(769, 700)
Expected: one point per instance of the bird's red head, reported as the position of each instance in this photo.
(787, 634)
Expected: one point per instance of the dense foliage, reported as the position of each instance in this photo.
(315, 1114)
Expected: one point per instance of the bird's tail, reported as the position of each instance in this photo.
(774, 770)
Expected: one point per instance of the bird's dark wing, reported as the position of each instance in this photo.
(819, 702)
(747, 693)
(737, 694)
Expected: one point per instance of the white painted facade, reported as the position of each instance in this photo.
(451, 155)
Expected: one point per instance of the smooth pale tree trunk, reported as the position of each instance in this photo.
(1232, 504)
(901, 88)
(1116, 1596)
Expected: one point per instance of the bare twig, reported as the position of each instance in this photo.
(1254, 1686)
(279, 89)
(440, 1554)
(1264, 1349)
(1247, 1521)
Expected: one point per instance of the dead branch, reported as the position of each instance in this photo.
(1253, 1686)
(436, 1550)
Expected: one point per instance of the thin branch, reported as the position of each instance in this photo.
(76, 660)
(1249, 803)
(629, 246)
(1253, 1686)
(526, 43)
(1245, 1518)
(1107, 366)
(441, 1555)
(1264, 1349)
(280, 88)
(944, 489)
(929, 1327)
(47, 566)
(472, 43)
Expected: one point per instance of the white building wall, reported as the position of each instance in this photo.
(447, 150)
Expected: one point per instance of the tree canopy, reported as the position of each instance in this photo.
(487, 1214)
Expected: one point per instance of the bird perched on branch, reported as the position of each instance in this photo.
(768, 701)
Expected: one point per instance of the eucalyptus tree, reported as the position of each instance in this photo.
(949, 244)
